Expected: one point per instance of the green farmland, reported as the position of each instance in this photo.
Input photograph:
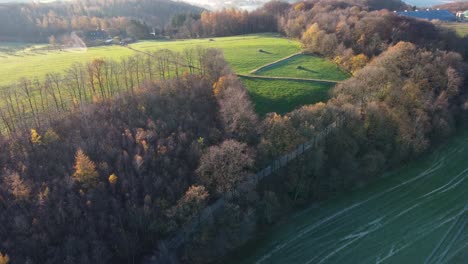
(417, 214)
(241, 52)
(244, 54)
(282, 96)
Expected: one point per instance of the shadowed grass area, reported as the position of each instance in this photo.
(284, 96)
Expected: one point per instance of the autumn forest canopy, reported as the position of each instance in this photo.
(108, 160)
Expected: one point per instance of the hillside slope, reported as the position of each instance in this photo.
(416, 214)
(35, 22)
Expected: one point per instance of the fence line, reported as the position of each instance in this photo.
(175, 242)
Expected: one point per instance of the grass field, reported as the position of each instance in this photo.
(460, 28)
(417, 214)
(284, 96)
(244, 54)
(241, 52)
(304, 66)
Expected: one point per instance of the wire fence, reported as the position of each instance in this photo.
(187, 231)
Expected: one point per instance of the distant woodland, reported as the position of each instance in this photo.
(106, 177)
(36, 22)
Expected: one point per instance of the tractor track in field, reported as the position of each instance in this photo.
(418, 214)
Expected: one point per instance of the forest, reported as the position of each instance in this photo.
(137, 19)
(36, 22)
(106, 176)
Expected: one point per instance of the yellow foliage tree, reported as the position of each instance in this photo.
(36, 139)
(358, 62)
(113, 179)
(85, 170)
(311, 38)
(17, 187)
(219, 85)
(4, 259)
(299, 7)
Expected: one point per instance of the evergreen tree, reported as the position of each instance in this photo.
(85, 170)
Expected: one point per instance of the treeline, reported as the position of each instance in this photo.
(396, 107)
(349, 32)
(227, 22)
(111, 178)
(34, 102)
(352, 36)
(271, 17)
(36, 22)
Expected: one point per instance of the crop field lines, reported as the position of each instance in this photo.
(418, 214)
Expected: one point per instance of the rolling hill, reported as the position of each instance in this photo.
(417, 214)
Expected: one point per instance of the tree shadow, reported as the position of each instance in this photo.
(264, 51)
(306, 69)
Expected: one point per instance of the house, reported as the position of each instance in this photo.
(97, 35)
(462, 16)
(442, 15)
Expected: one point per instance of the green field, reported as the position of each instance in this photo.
(417, 214)
(241, 52)
(460, 28)
(304, 66)
(244, 54)
(284, 96)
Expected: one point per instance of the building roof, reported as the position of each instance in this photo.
(443, 15)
